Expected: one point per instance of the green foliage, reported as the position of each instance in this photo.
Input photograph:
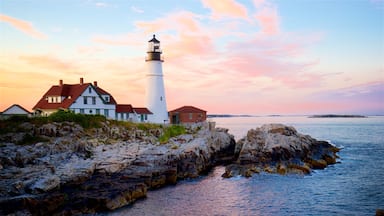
(86, 121)
(171, 131)
(147, 126)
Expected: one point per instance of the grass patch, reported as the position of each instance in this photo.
(13, 123)
(171, 131)
(86, 121)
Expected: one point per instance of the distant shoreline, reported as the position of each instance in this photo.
(309, 116)
(226, 116)
(336, 116)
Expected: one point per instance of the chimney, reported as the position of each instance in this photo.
(61, 82)
(81, 81)
(95, 84)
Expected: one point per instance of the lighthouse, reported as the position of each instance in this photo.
(155, 93)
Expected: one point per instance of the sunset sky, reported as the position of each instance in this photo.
(224, 56)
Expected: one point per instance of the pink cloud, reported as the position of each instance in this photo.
(226, 8)
(366, 98)
(182, 21)
(88, 50)
(267, 17)
(23, 26)
(49, 62)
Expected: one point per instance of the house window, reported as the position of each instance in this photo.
(161, 98)
(93, 100)
(106, 99)
(106, 113)
(127, 116)
(97, 111)
(85, 100)
(82, 111)
(122, 116)
(190, 116)
(90, 90)
(145, 117)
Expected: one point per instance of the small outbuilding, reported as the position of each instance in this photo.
(14, 110)
(187, 114)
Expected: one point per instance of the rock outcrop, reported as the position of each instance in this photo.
(276, 148)
(83, 171)
(70, 170)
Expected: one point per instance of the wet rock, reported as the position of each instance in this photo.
(277, 148)
(45, 184)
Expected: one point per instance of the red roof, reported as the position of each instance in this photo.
(142, 110)
(65, 90)
(103, 92)
(188, 109)
(124, 108)
(70, 92)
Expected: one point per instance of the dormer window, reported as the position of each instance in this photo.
(106, 98)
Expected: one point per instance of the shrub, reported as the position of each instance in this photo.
(86, 121)
(147, 126)
(171, 131)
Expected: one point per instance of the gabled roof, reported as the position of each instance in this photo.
(101, 91)
(142, 110)
(15, 105)
(65, 90)
(124, 108)
(188, 109)
(70, 92)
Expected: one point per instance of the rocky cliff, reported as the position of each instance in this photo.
(277, 148)
(76, 171)
(64, 169)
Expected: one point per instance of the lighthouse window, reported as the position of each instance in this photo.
(161, 98)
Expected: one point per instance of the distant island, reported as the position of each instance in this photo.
(337, 116)
(226, 115)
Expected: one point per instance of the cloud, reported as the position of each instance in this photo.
(267, 17)
(180, 21)
(226, 8)
(101, 4)
(136, 9)
(365, 98)
(23, 26)
(47, 62)
(88, 50)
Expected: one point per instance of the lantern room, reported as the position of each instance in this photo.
(154, 51)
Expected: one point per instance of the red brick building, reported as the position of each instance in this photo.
(187, 114)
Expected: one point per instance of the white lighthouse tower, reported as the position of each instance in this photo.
(155, 94)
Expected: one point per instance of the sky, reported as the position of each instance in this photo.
(258, 57)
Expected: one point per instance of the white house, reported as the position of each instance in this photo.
(84, 98)
(13, 110)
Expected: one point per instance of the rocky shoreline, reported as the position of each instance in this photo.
(277, 148)
(75, 171)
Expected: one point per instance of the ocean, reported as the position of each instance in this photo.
(353, 186)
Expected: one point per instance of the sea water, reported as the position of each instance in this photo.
(353, 186)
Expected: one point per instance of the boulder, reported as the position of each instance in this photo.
(277, 148)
